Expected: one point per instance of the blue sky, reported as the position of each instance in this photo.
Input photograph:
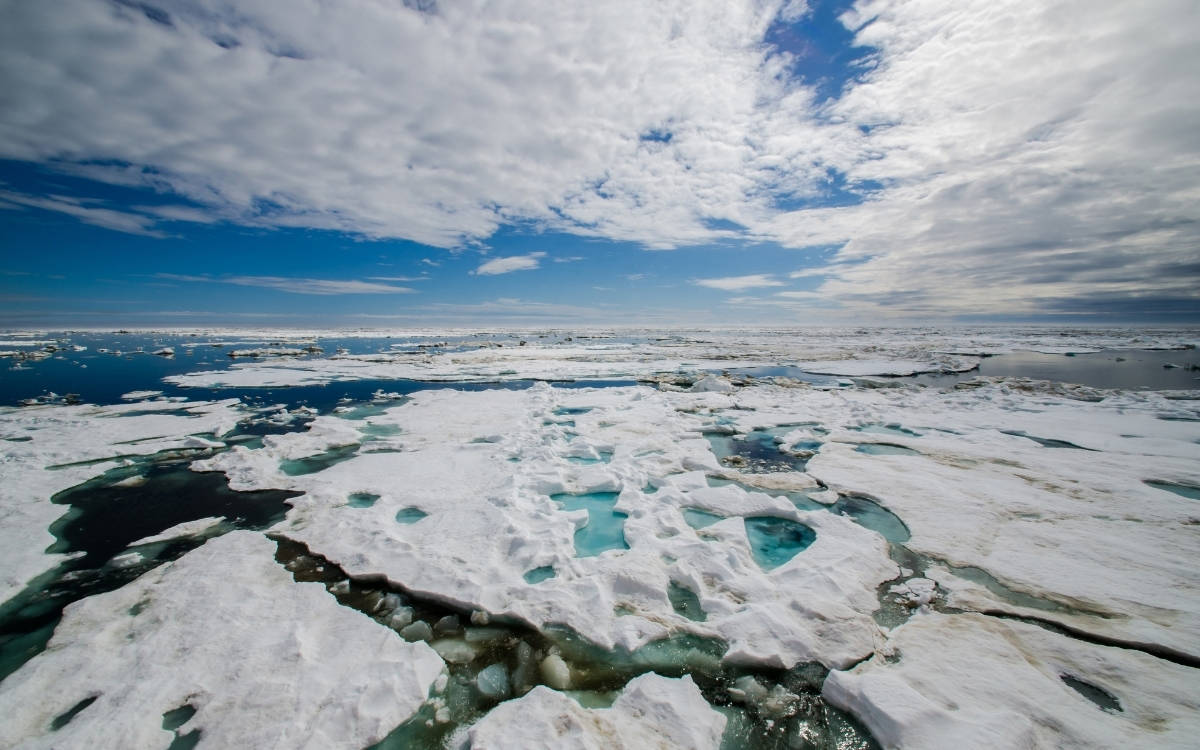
(179, 162)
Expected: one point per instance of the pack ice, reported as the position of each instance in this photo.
(260, 661)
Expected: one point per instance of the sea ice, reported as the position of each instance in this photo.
(975, 681)
(491, 519)
(263, 661)
(50, 448)
(651, 712)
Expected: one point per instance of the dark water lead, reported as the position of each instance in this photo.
(1046, 442)
(176, 718)
(1159, 369)
(862, 510)
(493, 659)
(760, 451)
(1098, 695)
(102, 520)
(65, 717)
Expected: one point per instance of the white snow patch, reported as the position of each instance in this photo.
(975, 681)
(265, 661)
(140, 395)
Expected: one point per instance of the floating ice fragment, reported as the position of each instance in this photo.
(447, 624)
(555, 672)
(492, 681)
(455, 650)
(712, 384)
(401, 616)
(417, 631)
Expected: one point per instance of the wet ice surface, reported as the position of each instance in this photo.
(1007, 562)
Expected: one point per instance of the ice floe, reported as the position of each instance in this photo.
(482, 467)
(49, 448)
(262, 661)
(975, 681)
(651, 712)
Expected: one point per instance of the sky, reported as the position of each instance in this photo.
(378, 163)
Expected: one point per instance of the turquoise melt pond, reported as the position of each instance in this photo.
(774, 541)
(605, 528)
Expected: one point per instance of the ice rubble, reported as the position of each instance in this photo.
(50, 448)
(975, 681)
(264, 661)
(651, 712)
(482, 465)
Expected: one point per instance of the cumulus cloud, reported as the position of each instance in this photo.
(509, 264)
(739, 283)
(996, 156)
(1036, 157)
(308, 114)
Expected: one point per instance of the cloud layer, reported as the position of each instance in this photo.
(991, 156)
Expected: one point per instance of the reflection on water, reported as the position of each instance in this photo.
(1113, 368)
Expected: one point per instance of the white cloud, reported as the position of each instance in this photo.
(1037, 157)
(739, 283)
(398, 278)
(120, 221)
(1016, 156)
(528, 110)
(296, 285)
(509, 264)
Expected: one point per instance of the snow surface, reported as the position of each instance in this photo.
(1078, 527)
(265, 661)
(1022, 499)
(50, 448)
(483, 466)
(973, 681)
(651, 712)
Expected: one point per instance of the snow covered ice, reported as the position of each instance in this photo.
(767, 529)
(204, 632)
